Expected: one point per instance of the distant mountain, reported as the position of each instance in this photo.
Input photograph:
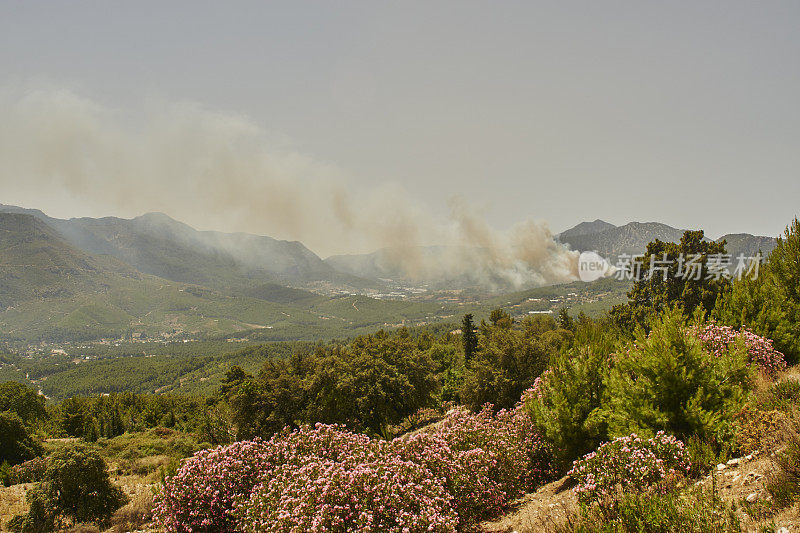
(586, 228)
(37, 263)
(52, 290)
(632, 238)
(159, 245)
(748, 245)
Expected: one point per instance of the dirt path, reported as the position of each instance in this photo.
(537, 511)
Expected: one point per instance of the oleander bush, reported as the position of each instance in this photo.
(326, 478)
(719, 339)
(200, 496)
(384, 494)
(30, 471)
(629, 464)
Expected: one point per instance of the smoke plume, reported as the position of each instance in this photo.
(221, 171)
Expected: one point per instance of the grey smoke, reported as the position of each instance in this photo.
(222, 171)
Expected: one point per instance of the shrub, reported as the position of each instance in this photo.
(41, 514)
(386, 494)
(705, 455)
(668, 381)
(76, 484)
(783, 395)
(199, 498)
(630, 463)
(24, 401)
(720, 339)
(324, 476)
(16, 445)
(522, 460)
(30, 471)
(466, 474)
(760, 430)
(694, 512)
(565, 401)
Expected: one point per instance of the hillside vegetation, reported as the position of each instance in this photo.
(636, 411)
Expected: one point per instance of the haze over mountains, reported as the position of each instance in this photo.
(155, 276)
(605, 238)
(610, 241)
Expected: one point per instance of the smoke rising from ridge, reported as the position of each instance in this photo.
(222, 171)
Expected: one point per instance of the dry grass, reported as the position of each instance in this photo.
(137, 515)
(12, 502)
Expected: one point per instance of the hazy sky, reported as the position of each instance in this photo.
(686, 113)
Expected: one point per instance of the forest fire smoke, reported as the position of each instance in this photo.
(222, 171)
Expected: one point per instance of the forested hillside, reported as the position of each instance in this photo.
(632, 413)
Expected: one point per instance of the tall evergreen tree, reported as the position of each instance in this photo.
(469, 338)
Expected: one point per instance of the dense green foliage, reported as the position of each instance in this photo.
(770, 303)
(370, 383)
(662, 282)
(26, 402)
(76, 485)
(667, 381)
(508, 359)
(566, 403)
(96, 417)
(20, 408)
(16, 445)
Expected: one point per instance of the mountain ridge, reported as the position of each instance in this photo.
(632, 238)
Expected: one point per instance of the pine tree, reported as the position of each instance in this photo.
(468, 337)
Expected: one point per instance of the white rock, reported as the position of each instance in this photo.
(783, 530)
(753, 496)
(733, 462)
(748, 457)
(721, 467)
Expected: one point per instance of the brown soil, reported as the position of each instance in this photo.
(745, 478)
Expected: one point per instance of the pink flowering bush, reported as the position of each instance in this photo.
(325, 478)
(30, 471)
(386, 494)
(465, 474)
(200, 496)
(760, 352)
(520, 458)
(631, 463)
